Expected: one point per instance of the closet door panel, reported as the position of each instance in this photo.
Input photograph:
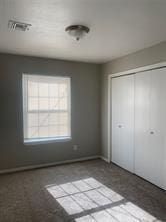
(142, 123)
(157, 127)
(150, 110)
(123, 121)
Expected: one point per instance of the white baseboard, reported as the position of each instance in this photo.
(105, 159)
(12, 170)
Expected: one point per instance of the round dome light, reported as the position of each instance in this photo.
(77, 31)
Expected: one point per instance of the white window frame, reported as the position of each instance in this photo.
(46, 139)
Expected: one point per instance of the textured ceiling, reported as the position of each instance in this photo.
(118, 27)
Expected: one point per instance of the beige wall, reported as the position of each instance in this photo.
(85, 119)
(141, 58)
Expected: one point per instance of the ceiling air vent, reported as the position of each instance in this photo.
(20, 26)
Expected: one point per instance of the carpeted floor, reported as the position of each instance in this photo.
(88, 191)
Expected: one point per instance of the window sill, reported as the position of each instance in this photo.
(46, 140)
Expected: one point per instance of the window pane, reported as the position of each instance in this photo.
(43, 132)
(63, 131)
(63, 118)
(63, 103)
(53, 131)
(32, 88)
(33, 103)
(54, 103)
(62, 90)
(53, 90)
(43, 89)
(43, 103)
(54, 118)
(32, 119)
(33, 132)
(58, 118)
(43, 119)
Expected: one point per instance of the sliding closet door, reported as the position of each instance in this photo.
(150, 111)
(142, 123)
(123, 121)
(157, 127)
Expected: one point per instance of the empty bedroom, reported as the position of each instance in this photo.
(82, 111)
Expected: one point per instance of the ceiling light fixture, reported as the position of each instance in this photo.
(77, 31)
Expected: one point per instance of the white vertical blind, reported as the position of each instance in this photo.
(46, 107)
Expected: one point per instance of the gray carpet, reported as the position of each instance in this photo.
(88, 191)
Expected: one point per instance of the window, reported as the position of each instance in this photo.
(46, 108)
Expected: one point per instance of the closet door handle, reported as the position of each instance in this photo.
(151, 132)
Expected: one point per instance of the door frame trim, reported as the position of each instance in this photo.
(109, 108)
